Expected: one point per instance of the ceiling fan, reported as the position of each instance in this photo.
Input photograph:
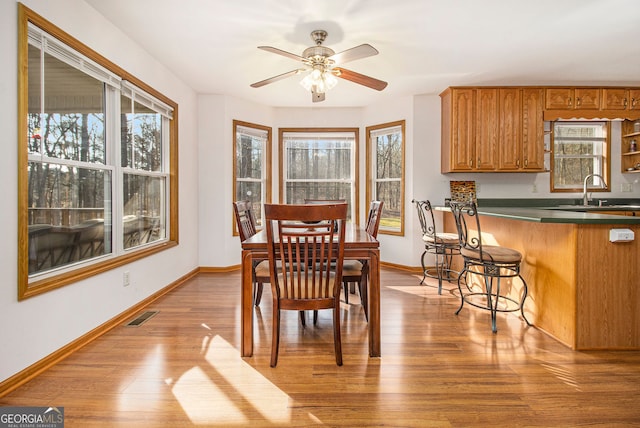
(323, 65)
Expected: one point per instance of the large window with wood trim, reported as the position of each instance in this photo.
(97, 161)
(580, 148)
(385, 172)
(320, 164)
(252, 166)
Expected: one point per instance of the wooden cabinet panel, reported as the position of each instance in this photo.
(510, 140)
(458, 134)
(486, 128)
(572, 98)
(615, 99)
(587, 98)
(532, 129)
(558, 98)
(634, 103)
(620, 99)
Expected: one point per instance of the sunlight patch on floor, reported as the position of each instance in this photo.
(426, 290)
(207, 393)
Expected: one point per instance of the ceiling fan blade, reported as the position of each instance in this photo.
(352, 54)
(276, 78)
(316, 97)
(281, 52)
(360, 79)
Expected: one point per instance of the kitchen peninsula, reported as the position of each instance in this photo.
(583, 289)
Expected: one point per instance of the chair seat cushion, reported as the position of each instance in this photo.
(307, 294)
(493, 253)
(352, 268)
(441, 238)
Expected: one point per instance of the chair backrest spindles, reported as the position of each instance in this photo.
(309, 240)
(373, 219)
(245, 219)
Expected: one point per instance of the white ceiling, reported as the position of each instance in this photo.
(425, 45)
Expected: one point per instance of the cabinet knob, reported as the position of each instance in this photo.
(470, 163)
(570, 101)
(526, 163)
(578, 101)
(633, 102)
(624, 102)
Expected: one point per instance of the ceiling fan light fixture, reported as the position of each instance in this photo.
(319, 81)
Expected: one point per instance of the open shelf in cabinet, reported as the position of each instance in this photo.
(630, 162)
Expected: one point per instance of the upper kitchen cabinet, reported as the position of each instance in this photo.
(532, 129)
(492, 130)
(572, 98)
(620, 99)
(458, 130)
(591, 103)
(487, 128)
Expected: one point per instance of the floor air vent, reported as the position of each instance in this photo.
(142, 318)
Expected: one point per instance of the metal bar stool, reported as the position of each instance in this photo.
(490, 262)
(442, 245)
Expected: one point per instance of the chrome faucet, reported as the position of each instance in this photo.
(585, 197)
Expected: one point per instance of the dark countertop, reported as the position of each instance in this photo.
(555, 211)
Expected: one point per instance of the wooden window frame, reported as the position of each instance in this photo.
(266, 199)
(27, 288)
(372, 174)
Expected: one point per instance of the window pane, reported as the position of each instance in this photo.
(297, 192)
(579, 149)
(141, 136)
(34, 128)
(390, 192)
(144, 209)
(251, 191)
(389, 156)
(324, 160)
(249, 154)
(68, 221)
(72, 126)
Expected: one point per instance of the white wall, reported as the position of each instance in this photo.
(218, 247)
(38, 326)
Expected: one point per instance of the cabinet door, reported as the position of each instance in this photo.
(510, 141)
(559, 98)
(634, 103)
(486, 128)
(572, 98)
(587, 98)
(615, 99)
(462, 131)
(532, 129)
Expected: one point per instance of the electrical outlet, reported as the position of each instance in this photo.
(125, 278)
(626, 187)
(621, 235)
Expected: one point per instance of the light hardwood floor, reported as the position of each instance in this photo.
(183, 368)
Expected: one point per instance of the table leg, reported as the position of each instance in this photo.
(246, 315)
(374, 303)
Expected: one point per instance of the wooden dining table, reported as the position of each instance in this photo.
(359, 245)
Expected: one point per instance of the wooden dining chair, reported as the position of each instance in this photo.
(246, 223)
(357, 271)
(306, 252)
